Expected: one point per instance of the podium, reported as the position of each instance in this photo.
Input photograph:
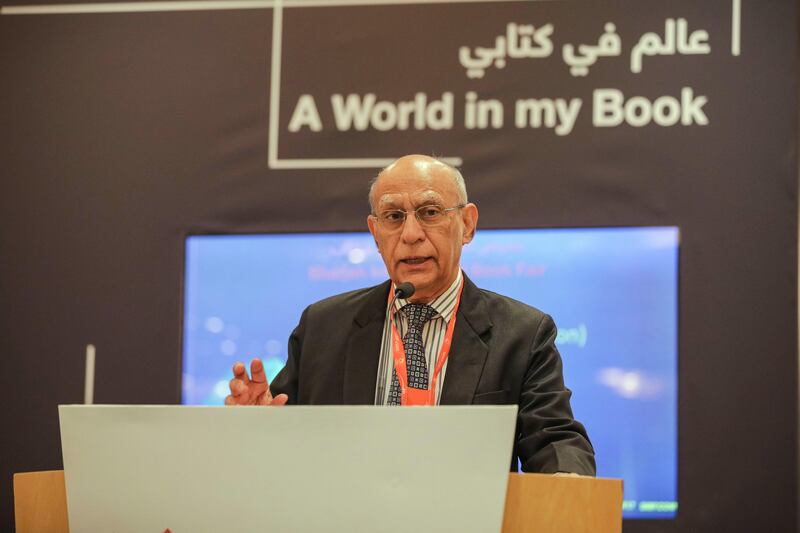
(537, 503)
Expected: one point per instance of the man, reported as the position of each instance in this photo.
(462, 345)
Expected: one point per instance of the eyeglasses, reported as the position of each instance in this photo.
(428, 216)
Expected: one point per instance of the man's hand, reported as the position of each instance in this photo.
(253, 390)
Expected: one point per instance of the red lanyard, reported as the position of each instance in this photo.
(412, 396)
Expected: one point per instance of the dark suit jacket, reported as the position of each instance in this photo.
(503, 352)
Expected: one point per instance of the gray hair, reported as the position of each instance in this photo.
(458, 179)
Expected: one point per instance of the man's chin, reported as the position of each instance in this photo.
(421, 281)
(424, 288)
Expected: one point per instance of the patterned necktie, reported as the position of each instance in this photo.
(416, 366)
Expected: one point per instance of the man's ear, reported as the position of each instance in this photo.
(469, 215)
(373, 229)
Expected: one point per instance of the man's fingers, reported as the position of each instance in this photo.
(265, 395)
(267, 399)
(257, 371)
(236, 400)
(241, 393)
(280, 399)
(236, 386)
(258, 384)
(240, 372)
(247, 391)
(264, 398)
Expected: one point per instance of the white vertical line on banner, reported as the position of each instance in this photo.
(275, 83)
(88, 376)
(797, 376)
(736, 27)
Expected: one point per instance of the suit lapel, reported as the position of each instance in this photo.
(363, 348)
(468, 352)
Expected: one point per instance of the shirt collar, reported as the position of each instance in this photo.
(444, 304)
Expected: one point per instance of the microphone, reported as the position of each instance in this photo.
(404, 290)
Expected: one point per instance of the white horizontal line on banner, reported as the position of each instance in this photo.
(334, 3)
(295, 164)
(135, 7)
(204, 5)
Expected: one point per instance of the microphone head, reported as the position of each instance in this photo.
(404, 290)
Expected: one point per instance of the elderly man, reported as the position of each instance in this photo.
(448, 343)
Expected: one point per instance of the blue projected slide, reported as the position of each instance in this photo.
(612, 292)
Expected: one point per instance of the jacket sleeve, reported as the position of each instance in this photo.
(550, 440)
(286, 382)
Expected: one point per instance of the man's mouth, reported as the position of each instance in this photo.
(414, 260)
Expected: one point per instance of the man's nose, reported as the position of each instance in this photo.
(412, 229)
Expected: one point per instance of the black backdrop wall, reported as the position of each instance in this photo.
(122, 132)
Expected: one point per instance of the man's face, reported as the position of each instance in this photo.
(427, 256)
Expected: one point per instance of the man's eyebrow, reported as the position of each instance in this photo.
(428, 201)
(390, 201)
(427, 198)
(396, 201)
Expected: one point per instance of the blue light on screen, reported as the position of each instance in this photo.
(612, 292)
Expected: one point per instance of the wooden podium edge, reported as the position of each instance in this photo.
(539, 503)
(544, 503)
(40, 502)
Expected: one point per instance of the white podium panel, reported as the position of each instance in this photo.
(290, 469)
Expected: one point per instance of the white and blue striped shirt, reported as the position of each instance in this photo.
(433, 334)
